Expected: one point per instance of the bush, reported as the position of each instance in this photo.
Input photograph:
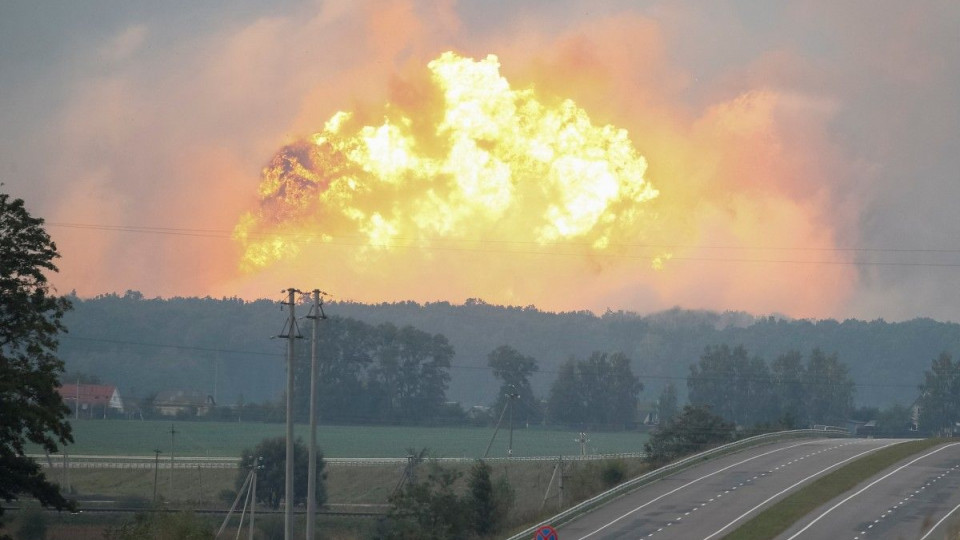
(271, 478)
(133, 501)
(226, 496)
(613, 472)
(695, 430)
(33, 524)
(270, 527)
(162, 526)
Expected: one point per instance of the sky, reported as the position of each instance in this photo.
(798, 158)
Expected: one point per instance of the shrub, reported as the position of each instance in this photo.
(33, 524)
(613, 472)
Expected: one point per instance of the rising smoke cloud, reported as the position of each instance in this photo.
(755, 188)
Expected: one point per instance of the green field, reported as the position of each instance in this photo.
(140, 438)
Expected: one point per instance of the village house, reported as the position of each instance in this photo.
(189, 402)
(91, 399)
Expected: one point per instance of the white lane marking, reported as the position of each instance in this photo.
(688, 484)
(868, 486)
(937, 524)
(821, 471)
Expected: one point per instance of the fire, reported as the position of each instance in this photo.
(473, 162)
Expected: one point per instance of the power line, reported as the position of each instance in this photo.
(409, 243)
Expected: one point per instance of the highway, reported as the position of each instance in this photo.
(917, 498)
(710, 500)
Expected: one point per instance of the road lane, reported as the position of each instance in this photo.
(698, 502)
(905, 501)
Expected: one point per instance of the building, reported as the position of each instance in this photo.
(91, 400)
(189, 402)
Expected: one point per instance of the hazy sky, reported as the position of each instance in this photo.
(806, 153)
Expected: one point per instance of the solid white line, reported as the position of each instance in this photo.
(944, 518)
(868, 486)
(754, 509)
(588, 535)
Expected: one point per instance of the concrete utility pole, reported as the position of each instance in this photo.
(512, 396)
(173, 434)
(257, 467)
(156, 470)
(315, 315)
(291, 350)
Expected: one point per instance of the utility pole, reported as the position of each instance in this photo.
(173, 434)
(512, 396)
(315, 315)
(156, 470)
(66, 468)
(291, 350)
(496, 429)
(560, 487)
(257, 466)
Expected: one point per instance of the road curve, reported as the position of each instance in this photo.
(709, 500)
(918, 498)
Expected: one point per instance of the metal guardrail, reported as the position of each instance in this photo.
(576, 511)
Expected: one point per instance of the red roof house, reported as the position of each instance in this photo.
(87, 397)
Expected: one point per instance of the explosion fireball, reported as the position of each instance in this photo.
(473, 161)
(462, 186)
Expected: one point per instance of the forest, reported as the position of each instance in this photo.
(225, 347)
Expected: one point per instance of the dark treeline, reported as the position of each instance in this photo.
(376, 374)
(223, 346)
(746, 391)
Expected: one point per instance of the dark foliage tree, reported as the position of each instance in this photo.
(787, 377)
(895, 421)
(514, 370)
(564, 403)
(694, 430)
(376, 374)
(31, 410)
(732, 384)
(667, 404)
(599, 392)
(829, 389)
(940, 397)
(429, 509)
(482, 501)
(411, 374)
(271, 479)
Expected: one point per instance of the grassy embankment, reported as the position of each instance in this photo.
(345, 484)
(779, 517)
(373, 484)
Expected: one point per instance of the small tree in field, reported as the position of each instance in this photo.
(271, 480)
(694, 430)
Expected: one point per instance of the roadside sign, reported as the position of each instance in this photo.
(546, 533)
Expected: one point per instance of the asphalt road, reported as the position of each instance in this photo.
(917, 498)
(709, 500)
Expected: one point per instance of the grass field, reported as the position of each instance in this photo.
(140, 438)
